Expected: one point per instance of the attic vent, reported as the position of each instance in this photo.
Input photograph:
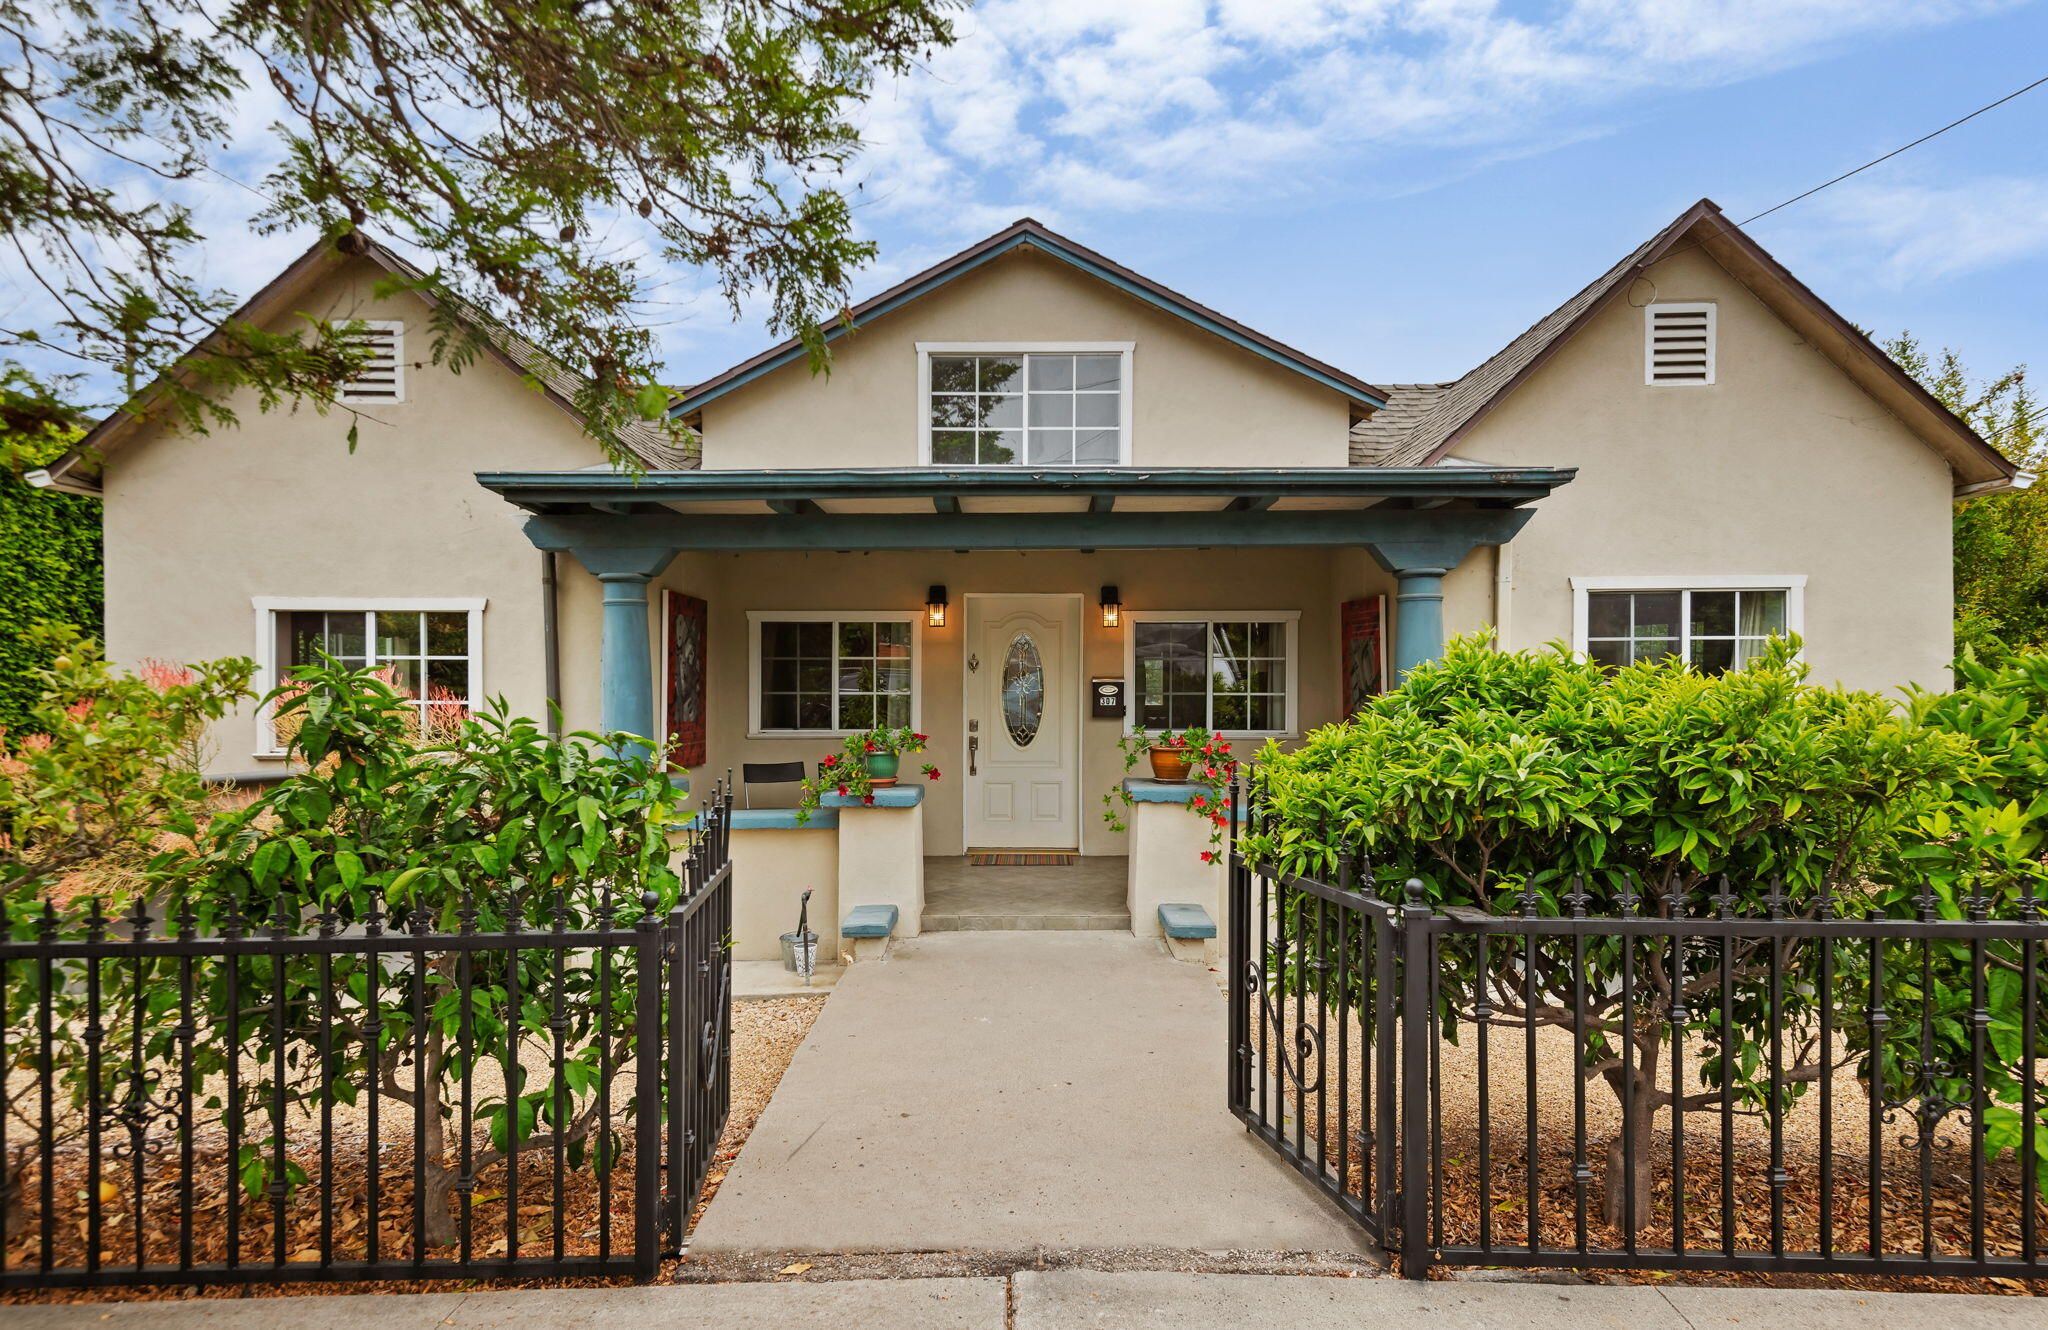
(1678, 344)
(382, 377)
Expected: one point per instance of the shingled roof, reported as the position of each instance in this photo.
(1422, 423)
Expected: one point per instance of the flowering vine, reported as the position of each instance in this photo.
(846, 774)
(1210, 772)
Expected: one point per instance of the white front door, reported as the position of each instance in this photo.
(1023, 719)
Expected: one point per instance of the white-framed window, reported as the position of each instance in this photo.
(1678, 344)
(1024, 403)
(1715, 623)
(831, 672)
(381, 379)
(431, 650)
(1234, 671)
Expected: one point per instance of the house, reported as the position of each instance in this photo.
(1041, 499)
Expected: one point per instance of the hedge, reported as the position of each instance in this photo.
(49, 572)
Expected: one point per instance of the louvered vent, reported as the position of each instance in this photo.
(382, 376)
(1679, 345)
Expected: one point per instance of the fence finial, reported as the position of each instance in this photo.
(1724, 899)
(1577, 897)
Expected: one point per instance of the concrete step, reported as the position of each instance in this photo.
(1120, 921)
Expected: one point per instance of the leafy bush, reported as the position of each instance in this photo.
(500, 826)
(49, 575)
(1536, 781)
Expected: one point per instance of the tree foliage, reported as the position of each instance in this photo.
(49, 544)
(540, 155)
(2001, 540)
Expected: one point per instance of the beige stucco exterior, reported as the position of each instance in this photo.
(1196, 399)
(1782, 465)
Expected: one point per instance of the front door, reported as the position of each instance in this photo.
(1023, 721)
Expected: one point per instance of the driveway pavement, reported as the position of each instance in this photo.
(1010, 1091)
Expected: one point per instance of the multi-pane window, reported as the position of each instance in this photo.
(1223, 674)
(834, 674)
(427, 655)
(1032, 408)
(1714, 630)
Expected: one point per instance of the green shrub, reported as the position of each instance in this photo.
(49, 575)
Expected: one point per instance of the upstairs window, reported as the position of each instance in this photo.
(1026, 406)
(381, 379)
(1678, 345)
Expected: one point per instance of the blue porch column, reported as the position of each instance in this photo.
(625, 656)
(1418, 617)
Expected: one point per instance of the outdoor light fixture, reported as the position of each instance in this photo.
(1112, 608)
(935, 607)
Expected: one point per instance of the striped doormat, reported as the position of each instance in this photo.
(1013, 859)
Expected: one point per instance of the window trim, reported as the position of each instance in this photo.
(1290, 620)
(267, 608)
(926, 350)
(757, 618)
(396, 327)
(1792, 584)
(1650, 312)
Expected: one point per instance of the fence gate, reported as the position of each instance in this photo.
(1716, 1079)
(528, 1085)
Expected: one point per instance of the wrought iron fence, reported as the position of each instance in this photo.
(423, 1088)
(1677, 1085)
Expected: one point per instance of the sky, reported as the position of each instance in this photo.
(1399, 187)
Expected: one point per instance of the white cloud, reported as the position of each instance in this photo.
(1921, 233)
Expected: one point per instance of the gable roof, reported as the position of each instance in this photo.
(1424, 422)
(647, 441)
(1027, 233)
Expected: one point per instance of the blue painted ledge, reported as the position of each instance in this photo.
(889, 796)
(1183, 920)
(773, 819)
(869, 921)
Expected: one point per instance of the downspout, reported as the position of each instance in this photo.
(1503, 594)
(551, 646)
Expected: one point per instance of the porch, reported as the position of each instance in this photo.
(1025, 621)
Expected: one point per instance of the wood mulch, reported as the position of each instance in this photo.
(764, 1039)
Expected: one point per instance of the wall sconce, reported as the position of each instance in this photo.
(1112, 608)
(935, 607)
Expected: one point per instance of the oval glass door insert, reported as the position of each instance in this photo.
(1023, 690)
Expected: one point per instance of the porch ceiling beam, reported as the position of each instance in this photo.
(1248, 503)
(1410, 538)
(945, 503)
(532, 490)
(1101, 503)
(795, 507)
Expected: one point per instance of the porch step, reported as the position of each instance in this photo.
(1119, 921)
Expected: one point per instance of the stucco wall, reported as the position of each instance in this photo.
(1164, 580)
(1198, 400)
(198, 525)
(1782, 465)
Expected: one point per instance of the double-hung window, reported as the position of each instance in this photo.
(430, 651)
(1228, 672)
(1714, 624)
(1026, 405)
(835, 671)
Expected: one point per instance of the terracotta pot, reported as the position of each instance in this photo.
(882, 768)
(1170, 763)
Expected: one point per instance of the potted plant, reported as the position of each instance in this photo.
(866, 762)
(1196, 755)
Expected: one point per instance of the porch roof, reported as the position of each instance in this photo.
(1016, 508)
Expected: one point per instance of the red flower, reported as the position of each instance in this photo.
(1198, 801)
(1218, 818)
(1208, 856)
(871, 746)
(920, 737)
(842, 791)
(829, 760)
(931, 772)
(867, 798)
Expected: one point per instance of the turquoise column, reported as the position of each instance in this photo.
(625, 658)
(1418, 617)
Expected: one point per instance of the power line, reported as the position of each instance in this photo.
(1896, 151)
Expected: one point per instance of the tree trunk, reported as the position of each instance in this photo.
(1621, 1185)
(442, 1230)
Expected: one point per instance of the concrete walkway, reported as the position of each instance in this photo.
(1011, 1092)
(1071, 1300)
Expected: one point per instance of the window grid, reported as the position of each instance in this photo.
(834, 674)
(1714, 630)
(1228, 675)
(1029, 408)
(424, 654)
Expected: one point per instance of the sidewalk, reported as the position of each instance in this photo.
(1071, 1300)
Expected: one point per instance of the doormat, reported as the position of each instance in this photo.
(998, 859)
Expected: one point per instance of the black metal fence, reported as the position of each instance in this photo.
(470, 1088)
(1680, 1085)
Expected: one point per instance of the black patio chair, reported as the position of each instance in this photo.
(767, 773)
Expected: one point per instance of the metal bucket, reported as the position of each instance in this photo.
(800, 952)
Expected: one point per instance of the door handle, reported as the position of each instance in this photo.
(973, 747)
